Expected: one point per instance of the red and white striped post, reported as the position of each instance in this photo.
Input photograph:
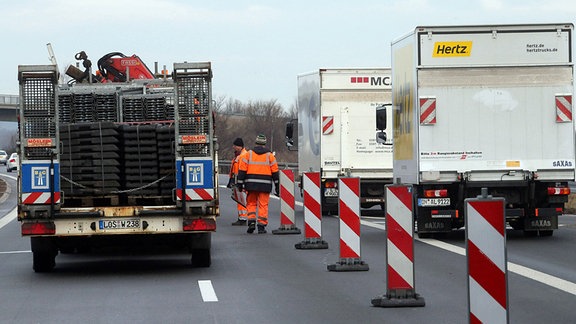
(486, 253)
(287, 202)
(312, 213)
(400, 290)
(349, 210)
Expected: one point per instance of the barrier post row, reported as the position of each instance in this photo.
(287, 202)
(312, 213)
(349, 211)
(400, 290)
(486, 259)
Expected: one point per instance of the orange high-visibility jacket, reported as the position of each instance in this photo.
(235, 163)
(258, 170)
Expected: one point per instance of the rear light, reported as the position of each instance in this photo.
(39, 228)
(558, 191)
(436, 193)
(331, 184)
(199, 224)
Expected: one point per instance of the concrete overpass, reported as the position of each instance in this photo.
(8, 107)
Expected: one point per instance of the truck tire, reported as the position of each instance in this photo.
(43, 254)
(201, 258)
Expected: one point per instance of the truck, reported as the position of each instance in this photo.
(107, 163)
(485, 106)
(338, 133)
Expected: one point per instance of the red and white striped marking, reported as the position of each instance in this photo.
(563, 108)
(427, 111)
(486, 251)
(327, 125)
(196, 194)
(287, 200)
(349, 204)
(400, 238)
(312, 205)
(40, 198)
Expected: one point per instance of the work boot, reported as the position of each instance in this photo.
(251, 227)
(261, 229)
(240, 222)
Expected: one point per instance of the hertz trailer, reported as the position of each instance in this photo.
(485, 107)
(114, 163)
(337, 131)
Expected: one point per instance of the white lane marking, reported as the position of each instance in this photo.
(8, 218)
(16, 252)
(207, 291)
(555, 282)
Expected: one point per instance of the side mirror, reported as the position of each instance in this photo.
(381, 117)
(381, 137)
(289, 138)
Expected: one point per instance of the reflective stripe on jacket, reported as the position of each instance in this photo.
(258, 170)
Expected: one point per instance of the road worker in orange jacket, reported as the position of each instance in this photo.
(239, 150)
(258, 171)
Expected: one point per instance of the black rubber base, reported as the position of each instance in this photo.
(343, 266)
(286, 230)
(309, 245)
(385, 301)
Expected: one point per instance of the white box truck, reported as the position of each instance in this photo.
(485, 107)
(337, 129)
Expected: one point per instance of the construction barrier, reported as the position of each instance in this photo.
(312, 213)
(400, 290)
(287, 202)
(486, 254)
(349, 211)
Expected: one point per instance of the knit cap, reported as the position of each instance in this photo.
(261, 139)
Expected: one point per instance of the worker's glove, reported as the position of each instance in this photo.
(240, 186)
(277, 190)
(230, 183)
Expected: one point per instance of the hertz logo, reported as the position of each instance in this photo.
(452, 49)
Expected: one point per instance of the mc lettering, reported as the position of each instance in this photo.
(378, 81)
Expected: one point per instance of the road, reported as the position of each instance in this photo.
(264, 279)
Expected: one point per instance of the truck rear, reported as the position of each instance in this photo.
(337, 131)
(485, 106)
(107, 164)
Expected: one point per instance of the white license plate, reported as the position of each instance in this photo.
(111, 224)
(427, 202)
(331, 192)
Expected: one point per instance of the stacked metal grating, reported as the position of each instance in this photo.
(140, 156)
(90, 159)
(166, 159)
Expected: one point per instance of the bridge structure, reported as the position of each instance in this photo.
(9, 108)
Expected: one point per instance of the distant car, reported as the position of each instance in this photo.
(12, 163)
(3, 157)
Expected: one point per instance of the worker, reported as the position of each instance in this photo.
(238, 146)
(258, 170)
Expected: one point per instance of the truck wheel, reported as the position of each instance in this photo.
(201, 258)
(43, 253)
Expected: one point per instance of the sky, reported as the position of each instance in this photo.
(257, 48)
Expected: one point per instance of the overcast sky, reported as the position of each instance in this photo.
(257, 48)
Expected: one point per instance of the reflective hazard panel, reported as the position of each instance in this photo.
(427, 111)
(327, 125)
(563, 108)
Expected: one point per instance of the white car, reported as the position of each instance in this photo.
(3, 157)
(12, 163)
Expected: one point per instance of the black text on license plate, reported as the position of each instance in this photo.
(331, 192)
(106, 224)
(424, 202)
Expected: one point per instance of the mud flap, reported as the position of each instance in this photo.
(546, 220)
(435, 221)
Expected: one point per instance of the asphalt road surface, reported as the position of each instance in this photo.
(264, 279)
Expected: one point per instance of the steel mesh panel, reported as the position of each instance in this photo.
(38, 127)
(37, 153)
(38, 97)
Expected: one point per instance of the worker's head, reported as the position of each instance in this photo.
(238, 142)
(261, 139)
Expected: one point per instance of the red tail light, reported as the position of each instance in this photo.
(39, 228)
(433, 193)
(331, 184)
(199, 224)
(558, 191)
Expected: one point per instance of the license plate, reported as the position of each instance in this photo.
(111, 224)
(331, 192)
(427, 202)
